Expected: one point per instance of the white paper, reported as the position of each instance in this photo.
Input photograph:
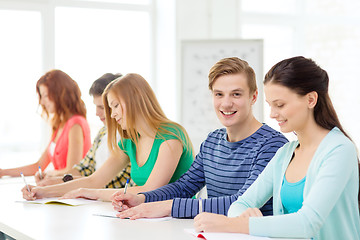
(112, 214)
(223, 236)
(70, 202)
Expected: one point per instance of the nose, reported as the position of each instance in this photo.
(42, 101)
(113, 114)
(273, 113)
(227, 102)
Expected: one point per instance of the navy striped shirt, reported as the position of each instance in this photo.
(226, 168)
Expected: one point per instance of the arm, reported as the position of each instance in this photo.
(27, 170)
(52, 180)
(75, 149)
(220, 205)
(113, 165)
(331, 178)
(168, 158)
(185, 187)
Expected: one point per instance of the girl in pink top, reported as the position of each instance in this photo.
(60, 99)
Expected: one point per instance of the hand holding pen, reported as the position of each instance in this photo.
(39, 176)
(27, 193)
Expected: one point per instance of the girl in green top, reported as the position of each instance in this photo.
(159, 150)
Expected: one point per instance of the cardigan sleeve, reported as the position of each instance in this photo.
(335, 167)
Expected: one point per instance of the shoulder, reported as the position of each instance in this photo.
(77, 119)
(265, 135)
(101, 133)
(171, 131)
(335, 140)
(216, 136)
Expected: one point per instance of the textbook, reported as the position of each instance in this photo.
(223, 236)
(68, 202)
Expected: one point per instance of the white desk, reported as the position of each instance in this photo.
(42, 221)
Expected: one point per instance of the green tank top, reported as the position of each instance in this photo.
(140, 174)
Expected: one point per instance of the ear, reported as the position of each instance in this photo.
(312, 98)
(254, 97)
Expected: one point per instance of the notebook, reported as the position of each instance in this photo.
(68, 202)
(112, 214)
(223, 236)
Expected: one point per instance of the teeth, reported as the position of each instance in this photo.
(228, 113)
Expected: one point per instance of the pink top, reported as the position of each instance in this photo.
(60, 154)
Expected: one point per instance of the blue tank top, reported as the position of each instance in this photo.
(292, 195)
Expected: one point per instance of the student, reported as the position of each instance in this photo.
(230, 159)
(159, 150)
(99, 150)
(60, 99)
(314, 180)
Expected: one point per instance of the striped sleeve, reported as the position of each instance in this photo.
(185, 187)
(189, 208)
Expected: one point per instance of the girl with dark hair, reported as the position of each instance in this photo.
(314, 181)
(60, 99)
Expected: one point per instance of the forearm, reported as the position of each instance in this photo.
(62, 188)
(27, 170)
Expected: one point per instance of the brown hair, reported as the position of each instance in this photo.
(65, 94)
(140, 102)
(232, 65)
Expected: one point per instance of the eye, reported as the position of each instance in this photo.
(237, 94)
(218, 94)
(279, 105)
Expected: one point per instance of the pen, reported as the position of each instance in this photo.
(27, 186)
(40, 173)
(200, 206)
(126, 185)
(125, 188)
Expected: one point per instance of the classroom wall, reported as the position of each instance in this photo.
(200, 20)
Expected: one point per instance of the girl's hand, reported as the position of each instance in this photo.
(211, 222)
(122, 201)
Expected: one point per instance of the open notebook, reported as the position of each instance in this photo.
(69, 202)
(223, 236)
(112, 214)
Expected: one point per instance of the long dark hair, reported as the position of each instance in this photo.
(303, 75)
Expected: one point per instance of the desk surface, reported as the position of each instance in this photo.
(42, 221)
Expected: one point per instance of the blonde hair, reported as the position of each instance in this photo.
(232, 65)
(140, 102)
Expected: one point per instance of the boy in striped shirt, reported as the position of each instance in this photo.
(229, 161)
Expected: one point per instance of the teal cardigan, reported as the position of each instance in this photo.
(330, 207)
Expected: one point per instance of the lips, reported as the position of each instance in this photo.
(282, 122)
(228, 113)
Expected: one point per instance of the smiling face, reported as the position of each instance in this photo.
(232, 100)
(291, 110)
(100, 111)
(118, 110)
(45, 101)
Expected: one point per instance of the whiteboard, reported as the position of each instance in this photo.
(197, 57)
